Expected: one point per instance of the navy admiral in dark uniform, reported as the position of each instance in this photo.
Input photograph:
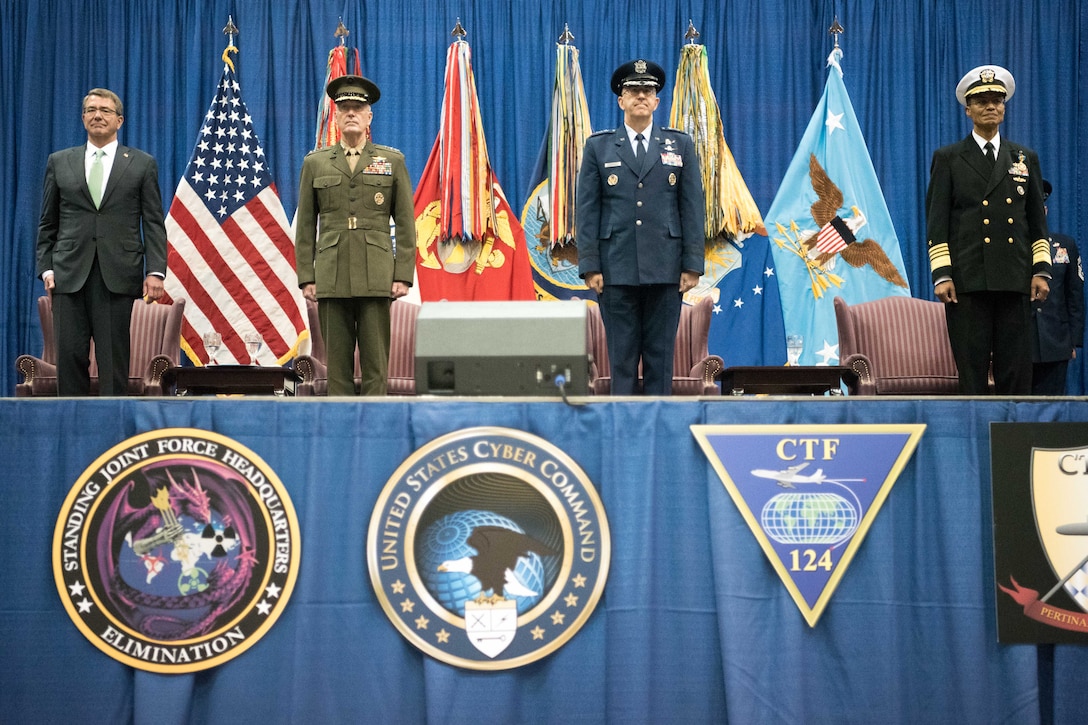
(344, 251)
(640, 230)
(1059, 321)
(987, 238)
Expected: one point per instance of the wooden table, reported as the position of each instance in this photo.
(231, 380)
(784, 380)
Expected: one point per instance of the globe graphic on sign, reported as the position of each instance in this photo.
(809, 518)
(444, 540)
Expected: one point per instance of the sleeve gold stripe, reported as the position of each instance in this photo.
(939, 256)
(1040, 251)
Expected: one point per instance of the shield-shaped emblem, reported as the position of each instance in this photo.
(491, 626)
(1060, 500)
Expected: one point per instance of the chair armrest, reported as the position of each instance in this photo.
(709, 369)
(154, 373)
(39, 377)
(865, 384)
(310, 368)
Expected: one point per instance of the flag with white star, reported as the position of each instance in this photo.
(230, 251)
(746, 327)
(829, 226)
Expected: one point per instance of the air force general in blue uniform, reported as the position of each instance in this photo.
(640, 218)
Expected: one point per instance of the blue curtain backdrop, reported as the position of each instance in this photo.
(902, 61)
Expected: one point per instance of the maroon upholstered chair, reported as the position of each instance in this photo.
(155, 348)
(694, 368)
(896, 346)
(402, 354)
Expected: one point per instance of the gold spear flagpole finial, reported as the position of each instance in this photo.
(230, 31)
(836, 30)
(341, 31)
(692, 35)
(459, 31)
(567, 37)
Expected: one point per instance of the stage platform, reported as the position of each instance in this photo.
(694, 625)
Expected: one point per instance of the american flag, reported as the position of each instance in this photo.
(230, 251)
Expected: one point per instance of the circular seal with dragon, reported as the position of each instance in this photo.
(176, 550)
(488, 548)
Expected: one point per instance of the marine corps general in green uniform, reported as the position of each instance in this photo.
(343, 247)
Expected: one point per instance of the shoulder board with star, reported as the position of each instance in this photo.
(390, 149)
(602, 133)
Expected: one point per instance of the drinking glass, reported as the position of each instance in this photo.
(253, 345)
(212, 342)
(794, 345)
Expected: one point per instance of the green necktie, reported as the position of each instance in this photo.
(94, 180)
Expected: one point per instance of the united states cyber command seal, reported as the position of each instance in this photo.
(488, 548)
(176, 550)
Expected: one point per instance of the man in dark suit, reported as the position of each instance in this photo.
(101, 244)
(349, 265)
(640, 230)
(1059, 321)
(987, 239)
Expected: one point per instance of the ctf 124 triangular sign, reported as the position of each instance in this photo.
(809, 493)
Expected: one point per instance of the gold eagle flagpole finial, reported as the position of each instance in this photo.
(230, 31)
(342, 31)
(692, 35)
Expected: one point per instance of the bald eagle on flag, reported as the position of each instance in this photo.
(837, 236)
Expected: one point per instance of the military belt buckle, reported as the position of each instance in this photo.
(353, 222)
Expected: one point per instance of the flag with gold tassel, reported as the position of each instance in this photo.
(731, 212)
(469, 243)
(548, 216)
(746, 328)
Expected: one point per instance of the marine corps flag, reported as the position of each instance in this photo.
(830, 229)
(469, 243)
(340, 58)
(746, 328)
(548, 216)
(229, 248)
